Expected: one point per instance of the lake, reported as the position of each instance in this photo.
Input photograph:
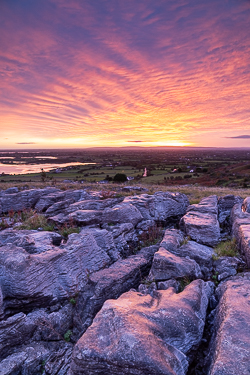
(21, 168)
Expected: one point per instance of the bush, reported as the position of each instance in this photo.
(120, 177)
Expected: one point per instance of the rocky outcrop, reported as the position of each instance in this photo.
(168, 266)
(230, 346)
(32, 280)
(22, 200)
(159, 206)
(225, 205)
(34, 242)
(57, 290)
(139, 334)
(241, 230)
(201, 223)
(246, 205)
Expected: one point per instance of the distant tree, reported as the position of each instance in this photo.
(120, 177)
(108, 178)
(43, 175)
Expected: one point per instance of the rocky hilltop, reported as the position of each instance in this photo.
(94, 284)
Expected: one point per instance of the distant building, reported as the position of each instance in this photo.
(129, 178)
(145, 173)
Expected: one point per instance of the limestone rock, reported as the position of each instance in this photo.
(140, 334)
(172, 240)
(246, 205)
(58, 196)
(160, 206)
(125, 237)
(167, 266)
(32, 280)
(201, 227)
(241, 230)
(122, 213)
(22, 200)
(227, 266)
(27, 361)
(230, 345)
(34, 242)
(225, 205)
(111, 283)
(206, 205)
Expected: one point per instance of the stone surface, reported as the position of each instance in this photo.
(30, 280)
(34, 242)
(59, 196)
(230, 345)
(200, 222)
(28, 361)
(125, 237)
(225, 205)
(241, 231)
(122, 213)
(201, 227)
(172, 240)
(22, 200)
(246, 205)
(111, 283)
(140, 334)
(167, 266)
(160, 206)
(206, 205)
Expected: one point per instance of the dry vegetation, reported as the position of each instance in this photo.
(194, 193)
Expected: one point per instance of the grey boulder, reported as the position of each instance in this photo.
(139, 334)
(201, 227)
(167, 266)
(230, 345)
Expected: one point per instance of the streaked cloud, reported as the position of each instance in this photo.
(241, 137)
(99, 73)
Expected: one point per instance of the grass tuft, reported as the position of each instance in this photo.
(36, 221)
(226, 248)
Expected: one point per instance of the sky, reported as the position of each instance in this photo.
(117, 73)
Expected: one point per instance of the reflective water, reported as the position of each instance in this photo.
(20, 168)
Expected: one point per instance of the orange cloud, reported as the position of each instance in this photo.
(100, 75)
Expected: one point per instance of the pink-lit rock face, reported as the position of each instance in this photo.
(201, 227)
(230, 346)
(241, 230)
(167, 266)
(138, 334)
(246, 205)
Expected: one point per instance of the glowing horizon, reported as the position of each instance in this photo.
(115, 74)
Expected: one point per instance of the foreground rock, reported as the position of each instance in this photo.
(230, 345)
(160, 206)
(111, 283)
(138, 334)
(19, 201)
(168, 266)
(175, 243)
(241, 230)
(37, 280)
(34, 242)
(201, 223)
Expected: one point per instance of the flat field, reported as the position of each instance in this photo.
(165, 166)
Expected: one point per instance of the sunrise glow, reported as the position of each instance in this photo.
(115, 73)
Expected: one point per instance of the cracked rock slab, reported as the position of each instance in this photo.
(230, 344)
(139, 334)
